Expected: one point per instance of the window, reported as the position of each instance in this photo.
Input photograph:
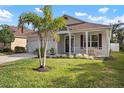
(82, 41)
(95, 38)
(94, 42)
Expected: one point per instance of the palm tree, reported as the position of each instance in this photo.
(46, 27)
(115, 29)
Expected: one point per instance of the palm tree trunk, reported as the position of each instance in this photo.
(45, 51)
(39, 51)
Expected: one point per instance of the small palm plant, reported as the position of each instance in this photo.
(45, 26)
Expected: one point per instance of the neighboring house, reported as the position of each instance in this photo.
(20, 38)
(79, 37)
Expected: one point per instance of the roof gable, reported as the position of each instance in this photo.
(75, 23)
(72, 20)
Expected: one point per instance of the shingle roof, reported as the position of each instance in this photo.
(83, 24)
(18, 32)
(86, 25)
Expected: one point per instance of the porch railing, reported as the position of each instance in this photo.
(93, 51)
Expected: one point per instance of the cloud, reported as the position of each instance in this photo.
(63, 12)
(96, 18)
(80, 14)
(38, 9)
(106, 20)
(103, 10)
(114, 20)
(5, 16)
(114, 10)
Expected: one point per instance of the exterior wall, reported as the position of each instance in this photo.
(77, 42)
(32, 44)
(61, 44)
(51, 44)
(105, 42)
(22, 42)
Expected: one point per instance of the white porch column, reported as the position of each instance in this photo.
(108, 41)
(69, 44)
(69, 41)
(56, 48)
(86, 35)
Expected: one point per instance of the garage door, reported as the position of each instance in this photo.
(32, 45)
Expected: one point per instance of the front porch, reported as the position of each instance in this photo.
(92, 42)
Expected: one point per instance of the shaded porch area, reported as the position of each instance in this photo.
(92, 43)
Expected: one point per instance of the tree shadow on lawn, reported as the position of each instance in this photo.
(20, 65)
(90, 75)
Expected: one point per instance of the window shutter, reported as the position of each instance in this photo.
(100, 40)
(81, 41)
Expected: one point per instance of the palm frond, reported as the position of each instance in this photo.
(55, 36)
(58, 23)
(29, 18)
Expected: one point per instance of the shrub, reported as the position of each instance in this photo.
(52, 51)
(19, 49)
(41, 50)
(6, 50)
(1, 50)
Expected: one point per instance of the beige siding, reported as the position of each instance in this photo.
(19, 42)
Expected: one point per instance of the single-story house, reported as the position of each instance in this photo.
(78, 37)
(20, 38)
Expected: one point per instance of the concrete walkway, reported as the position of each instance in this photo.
(14, 57)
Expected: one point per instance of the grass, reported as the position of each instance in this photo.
(69, 73)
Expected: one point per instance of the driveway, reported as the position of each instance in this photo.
(14, 57)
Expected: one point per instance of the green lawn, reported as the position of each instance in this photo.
(64, 73)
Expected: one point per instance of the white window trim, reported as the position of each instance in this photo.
(91, 41)
(90, 34)
(72, 35)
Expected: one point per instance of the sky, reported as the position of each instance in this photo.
(91, 13)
